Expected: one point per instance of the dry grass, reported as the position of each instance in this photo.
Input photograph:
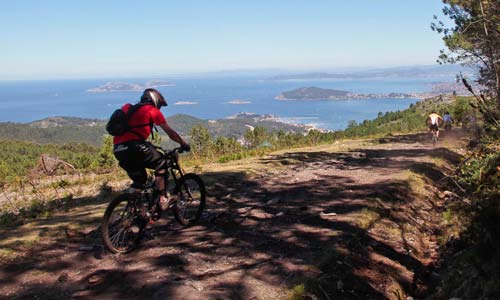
(366, 218)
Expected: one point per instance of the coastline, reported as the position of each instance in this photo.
(419, 96)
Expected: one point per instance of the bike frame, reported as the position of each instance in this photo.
(172, 167)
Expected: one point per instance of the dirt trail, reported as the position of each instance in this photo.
(353, 220)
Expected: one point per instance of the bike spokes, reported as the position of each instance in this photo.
(122, 226)
(190, 199)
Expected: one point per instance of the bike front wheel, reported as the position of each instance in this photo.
(122, 226)
(190, 198)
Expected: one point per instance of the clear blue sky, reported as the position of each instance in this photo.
(58, 39)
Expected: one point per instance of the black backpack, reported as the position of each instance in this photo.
(118, 122)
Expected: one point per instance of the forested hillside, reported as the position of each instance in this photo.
(414, 117)
(62, 130)
(17, 158)
(47, 131)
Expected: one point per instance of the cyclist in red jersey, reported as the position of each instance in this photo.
(132, 150)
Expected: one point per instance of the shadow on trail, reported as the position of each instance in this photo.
(253, 234)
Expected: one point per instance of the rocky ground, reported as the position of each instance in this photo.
(352, 220)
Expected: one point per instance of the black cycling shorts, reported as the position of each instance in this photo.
(434, 127)
(135, 156)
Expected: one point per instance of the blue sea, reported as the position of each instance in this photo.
(208, 98)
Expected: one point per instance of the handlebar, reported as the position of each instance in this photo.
(171, 152)
(178, 150)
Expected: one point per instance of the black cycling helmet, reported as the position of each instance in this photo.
(446, 113)
(154, 97)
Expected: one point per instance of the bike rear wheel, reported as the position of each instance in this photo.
(190, 198)
(122, 226)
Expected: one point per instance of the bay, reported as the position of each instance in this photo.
(208, 98)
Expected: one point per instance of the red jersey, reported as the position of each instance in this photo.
(144, 115)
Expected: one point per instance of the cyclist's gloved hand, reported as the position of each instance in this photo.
(185, 147)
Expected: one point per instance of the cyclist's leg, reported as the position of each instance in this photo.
(155, 160)
(131, 161)
(434, 129)
(138, 175)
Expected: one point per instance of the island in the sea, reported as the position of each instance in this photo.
(239, 101)
(185, 103)
(315, 93)
(128, 87)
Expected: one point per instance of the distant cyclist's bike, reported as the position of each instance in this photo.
(127, 216)
(447, 126)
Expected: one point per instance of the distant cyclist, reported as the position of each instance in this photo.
(448, 121)
(434, 121)
(132, 150)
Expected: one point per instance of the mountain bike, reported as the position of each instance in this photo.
(126, 217)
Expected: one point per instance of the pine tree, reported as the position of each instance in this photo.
(105, 157)
(201, 141)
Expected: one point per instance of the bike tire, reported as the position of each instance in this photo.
(190, 199)
(122, 226)
(434, 140)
